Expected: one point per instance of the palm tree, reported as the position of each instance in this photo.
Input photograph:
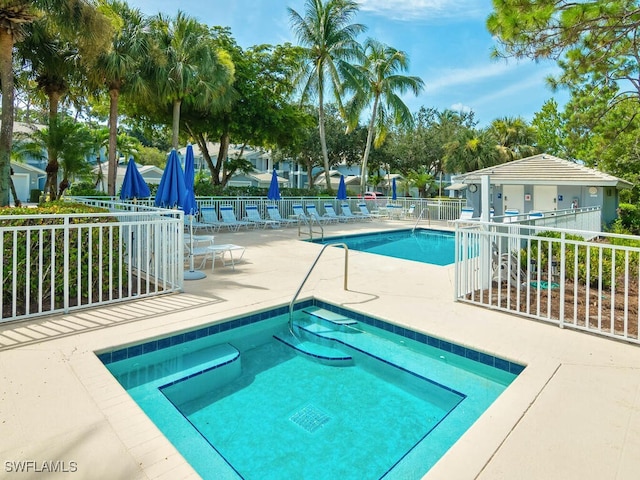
(72, 17)
(188, 68)
(376, 81)
(515, 138)
(329, 40)
(118, 69)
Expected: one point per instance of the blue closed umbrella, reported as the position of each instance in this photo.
(274, 188)
(342, 189)
(189, 205)
(133, 185)
(171, 191)
(394, 194)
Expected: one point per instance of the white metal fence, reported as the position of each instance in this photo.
(63, 262)
(586, 280)
(431, 209)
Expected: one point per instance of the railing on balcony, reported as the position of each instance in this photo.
(586, 280)
(69, 261)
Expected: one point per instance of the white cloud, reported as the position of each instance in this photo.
(460, 107)
(452, 77)
(410, 10)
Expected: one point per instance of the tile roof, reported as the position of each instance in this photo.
(544, 169)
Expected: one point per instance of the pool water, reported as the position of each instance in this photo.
(364, 401)
(426, 246)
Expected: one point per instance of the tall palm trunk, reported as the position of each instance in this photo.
(367, 148)
(6, 129)
(112, 159)
(52, 151)
(176, 124)
(323, 139)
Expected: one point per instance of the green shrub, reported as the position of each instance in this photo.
(39, 275)
(586, 255)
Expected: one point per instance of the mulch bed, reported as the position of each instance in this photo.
(581, 305)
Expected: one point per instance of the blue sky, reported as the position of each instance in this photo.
(446, 40)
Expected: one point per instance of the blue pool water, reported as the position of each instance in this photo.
(364, 401)
(426, 246)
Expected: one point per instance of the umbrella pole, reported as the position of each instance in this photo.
(192, 273)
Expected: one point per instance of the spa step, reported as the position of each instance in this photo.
(329, 316)
(322, 353)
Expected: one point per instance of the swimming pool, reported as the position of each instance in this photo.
(350, 397)
(427, 246)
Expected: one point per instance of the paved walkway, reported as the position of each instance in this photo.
(574, 413)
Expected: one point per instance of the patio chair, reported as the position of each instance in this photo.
(274, 214)
(408, 213)
(253, 216)
(321, 219)
(367, 214)
(511, 215)
(209, 216)
(229, 219)
(346, 211)
(331, 213)
(394, 211)
(197, 225)
(300, 214)
(201, 244)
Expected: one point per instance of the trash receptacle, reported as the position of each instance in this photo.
(34, 196)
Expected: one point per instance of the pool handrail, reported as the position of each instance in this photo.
(419, 217)
(346, 270)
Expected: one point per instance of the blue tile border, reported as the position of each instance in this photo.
(182, 337)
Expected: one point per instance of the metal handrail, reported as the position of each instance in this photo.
(309, 222)
(419, 217)
(346, 270)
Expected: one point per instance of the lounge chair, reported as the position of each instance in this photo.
(394, 211)
(274, 214)
(190, 223)
(229, 219)
(511, 215)
(322, 219)
(467, 214)
(365, 212)
(409, 213)
(535, 214)
(209, 216)
(298, 211)
(253, 216)
(331, 213)
(198, 246)
(347, 213)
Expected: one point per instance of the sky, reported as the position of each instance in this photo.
(446, 41)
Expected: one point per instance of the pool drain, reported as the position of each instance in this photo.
(310, 417)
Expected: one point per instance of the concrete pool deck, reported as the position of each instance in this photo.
(574, 413)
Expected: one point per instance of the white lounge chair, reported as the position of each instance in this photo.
(253, 216)
(209, 216)
(197, 246)
(365, 212)
(322, 219)
(346, 211)
(229, 219)
(466, 213)
(535, 214)
(511, 215)
(300, 214)
(331, 213)
(191, 222)
(274, 214)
